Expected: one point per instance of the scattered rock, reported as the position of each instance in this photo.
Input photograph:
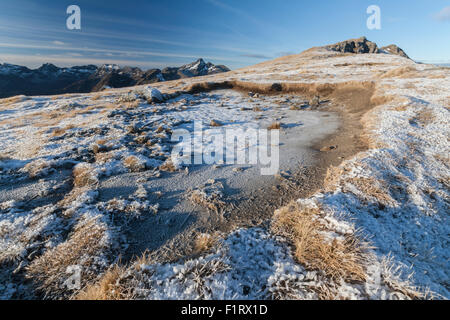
(152, 94)
(276, 87)
(328, 148)
(215, 123)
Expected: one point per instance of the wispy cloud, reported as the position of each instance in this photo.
(58, 43)
(235, 10)
(443, 15)
(108, 51)
(255, 56)
(284, 53)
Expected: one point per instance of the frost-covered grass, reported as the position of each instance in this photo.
(248, 264)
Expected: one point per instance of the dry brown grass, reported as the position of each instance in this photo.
(70, 197)
(371, 189)
(333, 177)
(132, 105)
(381, 99)
(168, 166)
(61, 131)
(338, 259)
(204, 242)
(401, 108)
(36, 168)
(274, 126)
(159, 129)
(96, 96)
(104, 157)
(402, 72)
(49, 271)
(108, 288)
(84, 175)
(134, 164)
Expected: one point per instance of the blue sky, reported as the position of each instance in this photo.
(236, 33)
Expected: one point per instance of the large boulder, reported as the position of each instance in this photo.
(152, 94)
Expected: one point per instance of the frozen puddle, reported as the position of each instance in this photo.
(300, 129)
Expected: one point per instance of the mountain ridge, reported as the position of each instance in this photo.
(49, 79)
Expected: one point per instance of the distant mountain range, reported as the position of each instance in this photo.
(50, 79)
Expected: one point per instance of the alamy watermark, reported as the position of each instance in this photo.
(73, 22)
(374, 20)
(229, 146)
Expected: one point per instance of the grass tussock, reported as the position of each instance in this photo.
(391, 277)
(339, 258)
(371, 189)
(274, 126)
(107, 288)
(104, 157)
(61, 131)
(168, 166)
(333, 177)
(204, 242)
(134, 164)
(37, 168)
(84, 175)
(50, 271)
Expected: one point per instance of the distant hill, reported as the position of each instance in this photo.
(50, 79)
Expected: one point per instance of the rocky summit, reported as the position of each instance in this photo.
(362, 45)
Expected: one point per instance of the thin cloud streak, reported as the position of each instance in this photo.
(256, 56)
(49, 33)
(106, 51)
(443, 15)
